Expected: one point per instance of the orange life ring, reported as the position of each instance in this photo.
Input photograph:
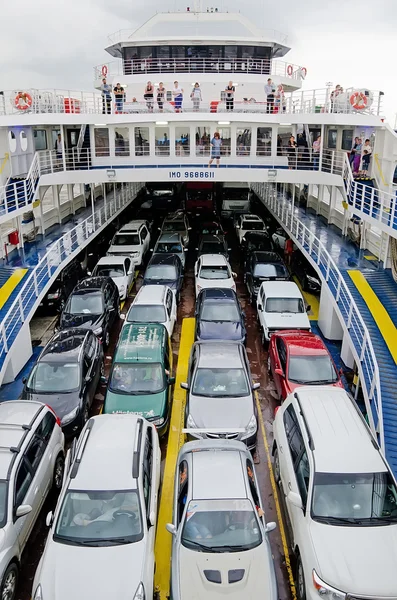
(290, 70)
(104, 70)
(304, 69)
(358, 100)
(27, 101)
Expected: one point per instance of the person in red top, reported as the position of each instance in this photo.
(288, 250)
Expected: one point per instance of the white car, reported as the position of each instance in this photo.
(101, 541)
(340, 497)
(120, 268)
(177, 222)
(154, 304)
(280, 305)
(213, 271)
(32, 462)
(248, 223)
(279, 237)
(132, 240)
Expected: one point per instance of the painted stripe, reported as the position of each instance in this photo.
(276, 501)
(311, 300)
(377, 310)
(187, 167)
(10, 285)
(175, 442)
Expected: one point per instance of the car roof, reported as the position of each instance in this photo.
(170, 236)
(341, 439)
(110, 444)
(151, 294)
(212, 237)
(112, 259)
(164, 259)
(140, 342)
(218, 294)
(219, 354)
(64, 346)
(132, 226)
(213, 260)
(281, 289)
(303, 342)
(250, 217)
(257, 234)
(91, 283)
(207, 466)
(266, 257)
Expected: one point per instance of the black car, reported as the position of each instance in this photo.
(219, 316)
(213, 244)
(62, 287)
(308, 277)
(165, 269)
(255, 241)
(94, 304)
(263, 266)
(66, 376)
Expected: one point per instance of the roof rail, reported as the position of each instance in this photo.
(310, 438)
(137, 449)
(86, 435)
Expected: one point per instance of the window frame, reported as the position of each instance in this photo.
(16, 502)
(147, 472)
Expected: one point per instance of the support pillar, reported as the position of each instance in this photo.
(328, 320)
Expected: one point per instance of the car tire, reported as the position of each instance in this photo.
(58, 473)
(269, 368)
(9, 583)
(300, 579)
(276, 466)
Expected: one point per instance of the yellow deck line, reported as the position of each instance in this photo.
(311, 300)
(175, 441)
(10, 285)
(379, 313)
(276, 501)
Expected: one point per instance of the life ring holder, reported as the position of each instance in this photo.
(290, 70)
(105, 71)
(27, 99)
(304, 70)
(358, 101)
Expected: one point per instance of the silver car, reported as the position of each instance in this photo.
(220, 393)
(171, 243)
(31, 463)
(220, 544)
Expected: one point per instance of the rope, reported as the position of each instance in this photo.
(393, 257)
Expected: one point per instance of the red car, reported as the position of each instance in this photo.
(299, 358)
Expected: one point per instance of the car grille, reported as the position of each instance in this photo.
(222, 436)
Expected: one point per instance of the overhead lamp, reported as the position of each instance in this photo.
(286, 124)
(223, 122)
(100, 125)
(161, 122)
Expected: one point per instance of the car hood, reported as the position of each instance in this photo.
(220, 330)
(64, 572)
(61, 404)
(221, 412)
(172, 283)
(258, 579)
(357, 560)
(127, 249)
(86, 321)
(287, 321)
(148, 406)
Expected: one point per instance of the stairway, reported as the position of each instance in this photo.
(385, 288)
(15, 193)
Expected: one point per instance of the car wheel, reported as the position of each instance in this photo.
(9, 583)
(276, 466)
(107, 339)
(300, 579)
(58, 473)
(102, 369)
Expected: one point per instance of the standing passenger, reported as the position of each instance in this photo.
(119, 97)
(269, 92)
(106, 97)
(230, 89)
(149, 96)
(316, 152)
(177, 92)
(216, 144)
(196, 97)
(160, 96)
(291, 149)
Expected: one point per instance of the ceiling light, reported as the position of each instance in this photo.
(100, 125)
(223, 122)
(161, 122)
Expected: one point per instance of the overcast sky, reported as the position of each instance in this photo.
(55, 43)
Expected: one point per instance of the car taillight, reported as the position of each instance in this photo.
(54, 413)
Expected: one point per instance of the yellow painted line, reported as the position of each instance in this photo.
(175, 442)
(370, 257)
(377, 310)
(3, 164)
(276, 502)
(311, 300)
(10, 285)
(101, 410)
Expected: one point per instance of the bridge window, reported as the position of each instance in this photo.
(142, 147)
(63, 194)
(122, 141)
(40, 139)
(226, 140)
(347, 139)
(243, 141)
(23, 138)
(332, 137)
(12, 141)
(203, 140)
(264, 141)
(230, 52)
(182, 141)
(101, 139)
(162, 141)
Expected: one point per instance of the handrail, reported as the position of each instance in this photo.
(361, 342)
(3, 164)
(376, 157)
(20, 193)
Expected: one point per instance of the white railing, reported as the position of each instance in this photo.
(20, 193)
(24, 305)
(361, 342)
(80, 141)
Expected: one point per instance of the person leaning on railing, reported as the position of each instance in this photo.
(119, 96)
(106, 91)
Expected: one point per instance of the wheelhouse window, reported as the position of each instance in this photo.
(121, 141)
(182, 141)
(101, 140)
(243, 141)
(162, 141)
(264, 141)
(142, 147)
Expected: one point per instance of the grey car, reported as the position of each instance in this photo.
(220, 393)
(220, 544)
(171, 243)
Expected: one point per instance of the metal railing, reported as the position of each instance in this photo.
(19, 194)
(25, 303)
(361, 342)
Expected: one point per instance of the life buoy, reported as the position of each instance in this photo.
(304, 70)
(290, 70)
(104, 70)
(23, 101)
(359, 101)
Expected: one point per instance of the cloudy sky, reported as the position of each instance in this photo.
(55, 43)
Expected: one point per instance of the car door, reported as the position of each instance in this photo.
(250, 269)
(89, 375)
(145, 240)
(192, 369)
(281, 363)
(24, 493)
(261, 307)
(171, 310)
(129, 274)
(150, 500)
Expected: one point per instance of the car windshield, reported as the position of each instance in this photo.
(99, 518)
(208, 228)
(198, 195)
(221, 526)
(311, 369)
(110, 270)
(284, 305)
(54, 378)
(168, 248)
(137, 378)
(140, 313)
(361, 498)
(220, 383)
(82, 304)
(216, 310)
(3, 503)
(235, 194)
(216, 272)
(212, 248)
(126, 239)
(270, 270)
(174, 226)
(253, 225)
(263, 244)
(161, 272)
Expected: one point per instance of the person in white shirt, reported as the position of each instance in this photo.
(367, 151)
(196, 96)
(269, 92)
(177, 92)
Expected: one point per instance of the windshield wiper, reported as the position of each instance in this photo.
(229, 548)
(202, 547)
(338, 520)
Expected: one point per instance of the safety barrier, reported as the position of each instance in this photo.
(19, 193)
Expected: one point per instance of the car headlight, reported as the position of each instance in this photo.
(134, 254)
(70, 416)
(251, 427)
(98, 331)
(54, 296)
(140, 592)
(38, 593)
(326, 590)
(312, 280)
(122, 289)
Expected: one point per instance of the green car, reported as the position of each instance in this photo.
(140, 379)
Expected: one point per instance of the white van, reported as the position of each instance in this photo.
(236, 199)
(280, 305)
(131, 240)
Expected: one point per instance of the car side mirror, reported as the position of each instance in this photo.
(151, 250)
(131, 272)
(159, 228)
(171, 528)
(234, 275)
(279, 372)
(22, 510)
(237, 226)
(171, 380)
(196, 249)
(308, 308)
(184, 386)
(271, 526)
(260, 307)
(152, 518)
(24, 379)
(122, 316)
(49, 519)
(256, 386)
(295, 499)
